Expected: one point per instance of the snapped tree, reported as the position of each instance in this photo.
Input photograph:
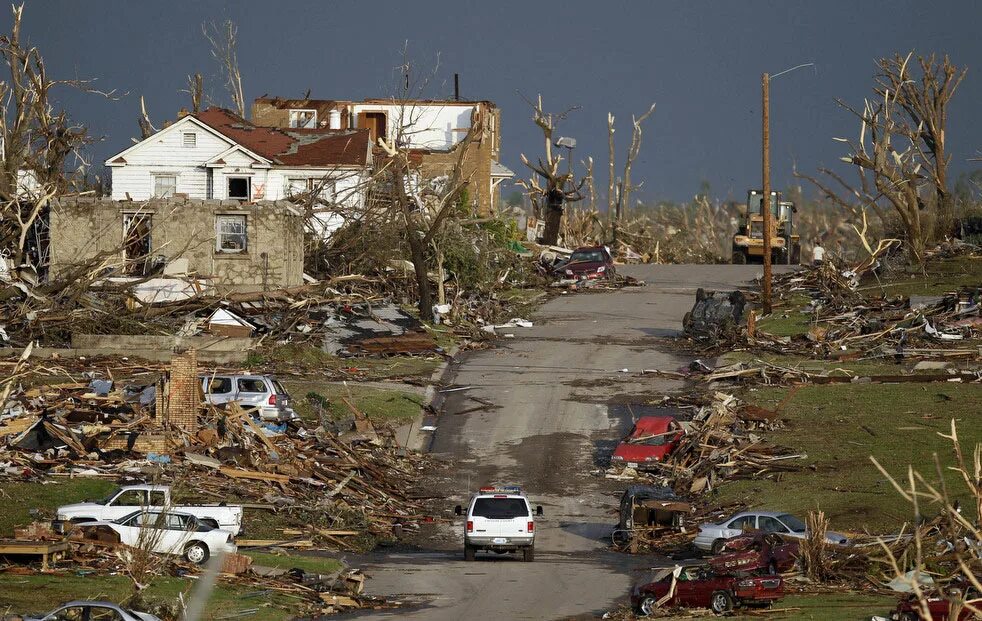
(900, 153)
(549, 189)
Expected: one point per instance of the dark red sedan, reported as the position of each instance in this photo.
(756, 552)
(939, 605)
(590, 263)
(695, 587)
(651, 440)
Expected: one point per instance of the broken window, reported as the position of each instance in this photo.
(190, 139)
(303, 119)
(231, 233)
(238, 188)
(252, 385)
(220, 386)
(164, 186)
(296, 186)
(375, 123)
(136, 242)
(131, 498)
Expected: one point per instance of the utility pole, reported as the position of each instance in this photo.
(765, 203)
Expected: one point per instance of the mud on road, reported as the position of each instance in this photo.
(559, 400)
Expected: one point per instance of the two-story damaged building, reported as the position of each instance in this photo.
(434, 131)
(215, 154)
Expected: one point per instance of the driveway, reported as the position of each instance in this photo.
(562, 392)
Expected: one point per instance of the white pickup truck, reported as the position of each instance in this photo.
(500, 520)
(126, 500)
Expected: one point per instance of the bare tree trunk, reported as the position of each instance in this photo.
(555, 201)
(417, 244)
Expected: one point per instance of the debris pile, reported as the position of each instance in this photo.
(719, 443)
(332, 476)
(848, 326)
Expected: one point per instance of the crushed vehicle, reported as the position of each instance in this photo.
(715, 316)
(93, 610)
(651, 440)
(655, 510)
(588, 263)
(756, 552)
(698, 587)
(164, 532)
(939, 603)
(261, 393)
(712, 537)
(124, 500)
(500, 520)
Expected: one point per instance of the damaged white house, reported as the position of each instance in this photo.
(215, 154)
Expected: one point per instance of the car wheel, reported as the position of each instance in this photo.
(647, 606)
(468, 553)
(528, 554)
(717, 546)
(721, 602)
(196, 552)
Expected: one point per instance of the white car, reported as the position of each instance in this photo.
(499, 520)
(711, 537)
(93, 611)
(125, 500)
(180, 534)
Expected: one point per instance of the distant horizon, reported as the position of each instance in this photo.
(694, 60)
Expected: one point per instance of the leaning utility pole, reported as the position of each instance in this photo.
(765, 203)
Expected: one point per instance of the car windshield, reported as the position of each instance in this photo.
(796, 525)
(649, 440)
(500, 508)
(583, 256)
(279, 387)
(105, 501)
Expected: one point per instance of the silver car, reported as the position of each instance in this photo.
(263, 392)
(93, 611)
(712, 536)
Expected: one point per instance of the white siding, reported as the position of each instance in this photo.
(165, 153)
(427, 126)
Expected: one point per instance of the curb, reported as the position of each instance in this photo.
(410, 436)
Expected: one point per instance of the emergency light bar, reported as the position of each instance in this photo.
(504, 489)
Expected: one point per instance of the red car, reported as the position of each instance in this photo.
(696, 587)
(756, 552)
(651, 440)
(940, 607)
(589, 262)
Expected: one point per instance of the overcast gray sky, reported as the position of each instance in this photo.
(699, 61)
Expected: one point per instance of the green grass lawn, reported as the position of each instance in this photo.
(312, 564)
(828, 607)
(293, 358)
(942, 276)
(880, 366)
(840, 426)
(20, 498)
(34, 594)
(787, 318)
(393, 407)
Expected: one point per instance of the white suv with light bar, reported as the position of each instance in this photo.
(501, 520)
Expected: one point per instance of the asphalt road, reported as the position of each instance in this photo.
(564, 392)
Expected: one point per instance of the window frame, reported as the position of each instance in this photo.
(228, 193)
(295, 115)
(154, 177)
(219, 234)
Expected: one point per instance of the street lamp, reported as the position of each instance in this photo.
(765, 204)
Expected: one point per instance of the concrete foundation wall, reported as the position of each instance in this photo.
(83, 228)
